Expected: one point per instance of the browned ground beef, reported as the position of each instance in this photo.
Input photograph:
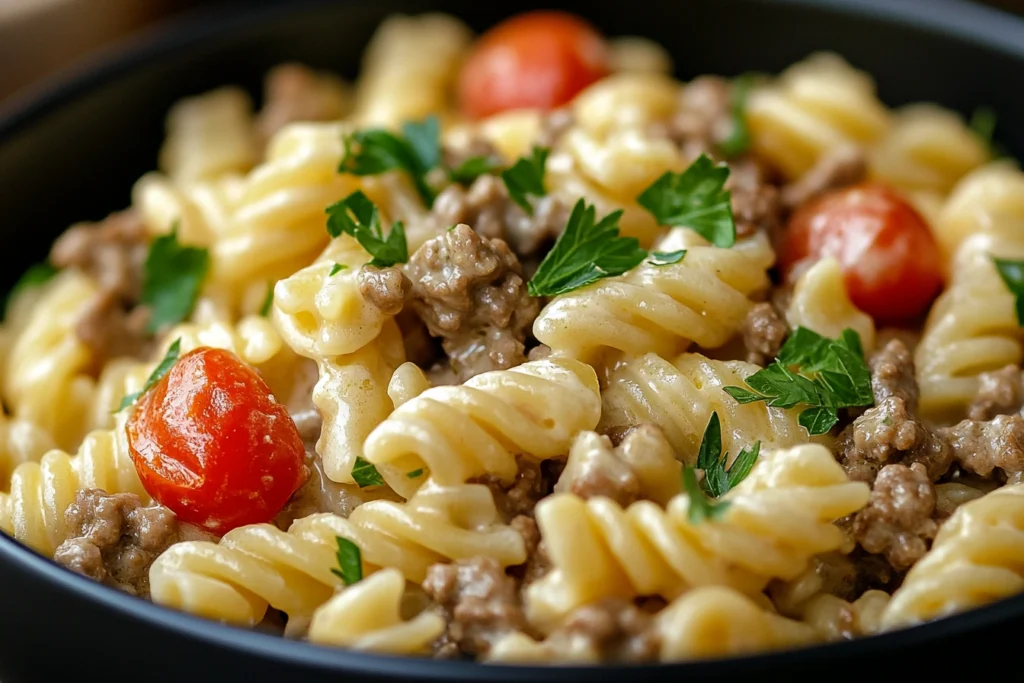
(839, 168)
(114, 538)
(1000, 392)
(294, 92)
(898, 521)
(892, 374)
(470, 292)
(616, 630)
(385, 288)
(764, 332)
(554, 124)
(755, 201)
(981, 447)
(520, 496)
(704, 119)
(537, 561)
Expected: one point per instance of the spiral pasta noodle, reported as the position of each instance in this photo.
(20, 442)
(815, 106)
(778, 518)
(976, 558)
(366, 616)
(703, 299)
(680, 395)
(460, 432)
(260, 565)
(821, 303)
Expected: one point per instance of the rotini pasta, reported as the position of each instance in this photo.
(820, 303)
(20, 442)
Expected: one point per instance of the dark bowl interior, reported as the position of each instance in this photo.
(72, 151)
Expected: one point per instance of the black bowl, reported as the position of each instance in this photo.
(73, 149)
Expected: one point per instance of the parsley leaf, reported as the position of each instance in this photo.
(983, 124)
(701, 507)
(36, 275)
(695, 199)
(585, 252)
(718, 479)
(738, 141)
(365, 474)
(268, 300)
(415, 474)
(471, 169)
(357, 216)
(416, 151)
(172, 278)
(350, 562)
(824, 374)
(169, 359)
(666, 258)
(1012, 274)
(526, 177)
(336, 268)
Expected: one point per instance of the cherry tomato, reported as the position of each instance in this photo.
(538, 59)
(210, 442)
(890, 261)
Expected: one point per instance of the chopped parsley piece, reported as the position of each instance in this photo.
(666, 258)
(171, 279)
(169, 359)
(983, 124)
(585, 252)
(824, 374)
(471, 169)
(357, 216)
(268, 300)
(365, 474)
(526, 177)
(695, 199)
(738, 141)
(350, 562)
(719, 480)
(336, 268)
(702, 508)
(36, 275)
(1012, 274)
(415, 473)
(416, 151)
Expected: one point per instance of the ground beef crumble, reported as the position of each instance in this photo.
(615, 630)
(898, 521)
(385, 288)
(981, 447)
(843, 166)
(764, 332)
(470, 292)
(521, 495)
(294, 92)
(1000, 392)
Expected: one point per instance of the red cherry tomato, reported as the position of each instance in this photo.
(890, 261)
(210, 442)
(538, 59)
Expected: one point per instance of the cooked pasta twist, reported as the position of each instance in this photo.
(46, 379)
(778, 518)
(460, 432)
(976, 558)
(409, 69)
(210, 135)
(40, 493)
(821, 303)
(973, 326)
(815, 106)
(20, 442)
(367, 616)
(680, 395)
(703, 299)
(260, 565)
(199, 211)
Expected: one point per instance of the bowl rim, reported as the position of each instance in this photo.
(956, 19)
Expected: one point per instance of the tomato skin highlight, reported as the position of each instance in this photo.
(211, 444)
(890, 261)
(538, 59)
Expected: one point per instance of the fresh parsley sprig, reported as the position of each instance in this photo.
(365, 474)
(168, 361)
(357, 216)
(526, 177)
(350, 562)
(666, 258)
(172, 277)
(586, 251)
(268, 300)
(1012, 274)
(471, 169)
(821, 373)
(336, 268)
(416, 151)
(701, 508)
(719, 479)
(983, 124)
(738, 141)
(695, 199)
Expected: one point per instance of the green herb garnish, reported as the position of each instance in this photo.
(268, 300)
(824, 374)
(415, 473)
(336, 268)
(365, 474)
(666, 258)
(585, 252)
(471, 169)
(738, 141)
(526, 177)
(416, 151)
(983, 124)
(701, 507)
(171, 279)
(36, 275)
(695, 199)
(169, 359)
(1012, 274)
(350, 561)
(719, 480)
(357, 216)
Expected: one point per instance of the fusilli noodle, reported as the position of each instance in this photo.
(820, 303)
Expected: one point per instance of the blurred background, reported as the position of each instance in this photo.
(38, 37)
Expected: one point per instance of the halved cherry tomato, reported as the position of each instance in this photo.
(538, 59)
(210, 442)
(890, 261)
